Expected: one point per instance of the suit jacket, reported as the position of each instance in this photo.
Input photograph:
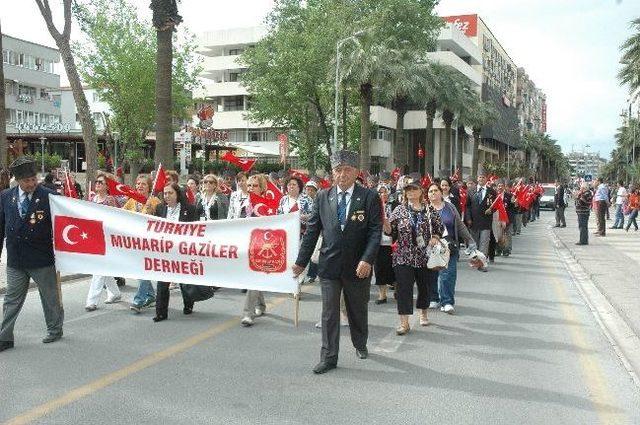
(342, 250)
(217, 211)
(29, 239)
(187, 212)
(558, 198)
(476, 210)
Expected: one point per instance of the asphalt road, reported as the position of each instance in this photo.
(523, 348)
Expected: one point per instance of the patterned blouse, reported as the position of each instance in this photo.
(108, 200)
(406, 226)
(305, 204)
(149, 208)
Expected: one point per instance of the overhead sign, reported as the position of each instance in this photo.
(468, 24)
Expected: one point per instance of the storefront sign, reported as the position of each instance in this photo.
(58, 127)
(468, 24)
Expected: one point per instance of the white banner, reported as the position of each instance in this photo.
(251, 253)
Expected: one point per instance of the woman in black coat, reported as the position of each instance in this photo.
(174, 208)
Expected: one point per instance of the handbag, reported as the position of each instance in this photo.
(439, 253)
(198, 292)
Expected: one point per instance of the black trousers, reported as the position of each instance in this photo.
(356, 299)
(162, 299)
(383, 267)
(583, 226)
(600, 214)
(406, 277)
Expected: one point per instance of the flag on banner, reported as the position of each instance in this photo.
(299, 174)
(122, 189)
(252, 253)
(498, 205)
(263, 206)
(273, 193)
(191, 198)
(79, 235)
(69, 186)
(161, 180)
(244, 164)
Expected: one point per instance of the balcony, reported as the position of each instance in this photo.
(452, 39)
(234, 119)
(222, 89)
(451, 59)
(220, 63)
(31, 77)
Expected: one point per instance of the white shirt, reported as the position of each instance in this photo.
(173, 214)
(349, 195)
(482, 190)
(621, 195)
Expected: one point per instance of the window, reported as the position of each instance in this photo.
(44, 95)
(258, 135)
(234, 103)
(234, 52)
(96, 97)
(5, 56)
(233, 76)
(10, 88)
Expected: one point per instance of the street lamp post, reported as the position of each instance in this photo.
(337, 86)
(42, 139)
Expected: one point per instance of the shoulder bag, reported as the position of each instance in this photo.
(439, 253)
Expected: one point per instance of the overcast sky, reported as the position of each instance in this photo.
(568, 47)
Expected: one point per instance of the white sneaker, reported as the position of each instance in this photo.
(247, 321)
(448, 308)
(259, 312)
(442, 308)
(434, 304)
(113, 300)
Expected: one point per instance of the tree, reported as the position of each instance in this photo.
(165, 21)
(630, 72)
(479, 114)
(3, 125)
(118, 60)
(62, 40)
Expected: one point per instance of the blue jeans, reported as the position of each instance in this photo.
(619, 217)
(447, 280)
(144, 293)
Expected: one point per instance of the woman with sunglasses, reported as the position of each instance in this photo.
(99, 283)
(211, 204)
(175, 207)
(415, 226)
(455, 230)
(254, 305)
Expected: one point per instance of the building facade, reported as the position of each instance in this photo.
(585, 164)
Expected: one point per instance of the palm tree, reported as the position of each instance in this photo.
(630, 72)
(465, 115)
(165, 20)
(452, 99)
(3, 125)
(479, 114)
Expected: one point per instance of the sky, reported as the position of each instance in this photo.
(569, 48)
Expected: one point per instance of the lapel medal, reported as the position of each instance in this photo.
(32, 220)
(39, 215)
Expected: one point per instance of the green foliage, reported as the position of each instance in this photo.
(630, 60)
(118, 59)
(50, 161)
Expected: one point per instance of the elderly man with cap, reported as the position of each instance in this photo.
(349, 218)
(25, 220)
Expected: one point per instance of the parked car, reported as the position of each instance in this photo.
(547, 200)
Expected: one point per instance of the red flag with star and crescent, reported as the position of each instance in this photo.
(273, 193)
(244, 164)
(299, 174)
(69, 186)
(160, 181)
(262, 206)
(498, 205)
(122, 189)
(79, 235)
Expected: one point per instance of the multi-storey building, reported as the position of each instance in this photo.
(531, 104)
(585, 164)
(30, 80)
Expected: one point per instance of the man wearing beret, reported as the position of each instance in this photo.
(25, 220)
(349, 218)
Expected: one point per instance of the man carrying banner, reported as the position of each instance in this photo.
(25, 220)
(349, 218)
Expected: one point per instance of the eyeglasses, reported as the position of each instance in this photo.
(251, 184)
(209, 181)
(99, 181)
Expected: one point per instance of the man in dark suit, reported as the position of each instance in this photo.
(479, 222)
(560, 204)
(25, 220)
(349, 218)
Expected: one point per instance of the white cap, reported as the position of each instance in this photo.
(312, 184)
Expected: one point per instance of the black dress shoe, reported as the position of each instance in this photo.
(362, 353)
(5, 345)
(159, 318)
(383, 301)
(323, 367)
(51, 338)
(187, 310)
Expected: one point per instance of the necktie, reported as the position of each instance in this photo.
(24, 207)
(342, 209)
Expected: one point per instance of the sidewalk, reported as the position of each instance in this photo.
(611, 262)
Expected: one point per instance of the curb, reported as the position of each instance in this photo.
(63, 279)
(620, 334)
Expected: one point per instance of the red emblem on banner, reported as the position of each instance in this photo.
(268, 250)
(79, 235)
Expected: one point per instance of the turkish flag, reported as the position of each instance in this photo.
(224, 189)
(273, 193)
(324, 184)
(79, 235)
(244, 164)
(395, 174)
(116, 188)
(160, 181)
(191, 198)
(463, 200)
(262, 205)
(69, 186)
(299, 174)
(456, 175)
(498, 205)
(426, 181)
